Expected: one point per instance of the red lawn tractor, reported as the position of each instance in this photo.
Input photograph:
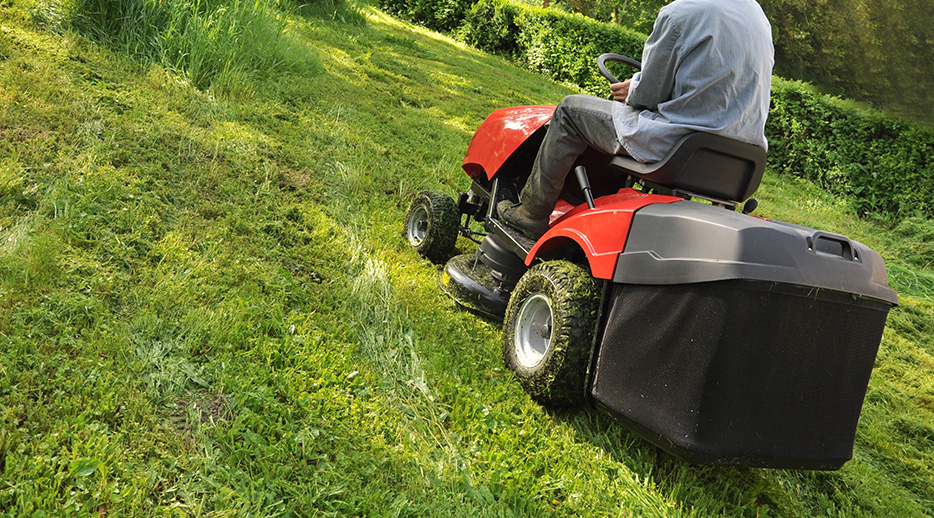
(721, 337)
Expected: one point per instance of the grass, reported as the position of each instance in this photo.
(206, 307)
(214, 43)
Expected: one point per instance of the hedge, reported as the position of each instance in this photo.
(440, 15)
(565, 46)
(884, 163)
(562, 46)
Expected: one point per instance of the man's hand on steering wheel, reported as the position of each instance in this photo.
(620, 91)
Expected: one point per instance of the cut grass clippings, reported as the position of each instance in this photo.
(208, 308)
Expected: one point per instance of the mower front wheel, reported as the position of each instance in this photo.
(431, 225)
(549, 328)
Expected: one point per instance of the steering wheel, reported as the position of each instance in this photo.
(601, 64)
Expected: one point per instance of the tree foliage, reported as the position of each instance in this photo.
(877, 51)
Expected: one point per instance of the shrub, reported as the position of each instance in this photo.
(565, 46)
(490, 25)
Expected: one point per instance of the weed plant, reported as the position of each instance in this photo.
(207, 309)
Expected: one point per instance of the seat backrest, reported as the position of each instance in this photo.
(704, 164)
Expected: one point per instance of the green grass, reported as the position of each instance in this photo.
(206, 307)
(213, 43)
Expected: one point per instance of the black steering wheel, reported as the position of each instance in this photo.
(601, 64)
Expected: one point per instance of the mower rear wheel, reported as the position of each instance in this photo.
(431, 225)
(549, 328)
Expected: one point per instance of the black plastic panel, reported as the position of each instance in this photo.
(689, 242)
(738, 372)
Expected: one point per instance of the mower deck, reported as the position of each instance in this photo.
(473, 284)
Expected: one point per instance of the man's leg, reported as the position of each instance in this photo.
(579, 121)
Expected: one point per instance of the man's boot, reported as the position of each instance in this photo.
(516, 216)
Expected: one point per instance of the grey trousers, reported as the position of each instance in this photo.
(579, 121)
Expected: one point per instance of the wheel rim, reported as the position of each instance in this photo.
(417, 226)
(533, 331)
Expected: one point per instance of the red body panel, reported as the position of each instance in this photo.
(601, 232)
(500, 135)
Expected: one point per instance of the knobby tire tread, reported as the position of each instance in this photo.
(443, 223)
(560, 379)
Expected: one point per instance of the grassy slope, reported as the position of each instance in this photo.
(207, 308)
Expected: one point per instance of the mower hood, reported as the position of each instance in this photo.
(500, 135)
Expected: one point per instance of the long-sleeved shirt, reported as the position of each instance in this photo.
(707, 66)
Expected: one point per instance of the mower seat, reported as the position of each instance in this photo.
(703, 164)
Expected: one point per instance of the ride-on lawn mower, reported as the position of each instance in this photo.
(721, 337)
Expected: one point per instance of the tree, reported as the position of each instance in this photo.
(877, 51)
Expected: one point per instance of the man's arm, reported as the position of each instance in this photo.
(654, 84)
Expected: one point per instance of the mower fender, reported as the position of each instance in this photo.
(600, 232)
(500, 135)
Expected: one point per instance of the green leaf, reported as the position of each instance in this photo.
(84, 467)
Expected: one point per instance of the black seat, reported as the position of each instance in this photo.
(706, 165)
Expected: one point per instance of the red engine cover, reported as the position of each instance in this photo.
(500, 135)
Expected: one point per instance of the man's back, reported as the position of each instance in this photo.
(706, 67)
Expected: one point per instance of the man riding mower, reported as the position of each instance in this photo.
(720, 337)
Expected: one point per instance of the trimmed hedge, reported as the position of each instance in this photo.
(565, 46)
(562, 46)
(884, 163)
(438, 15)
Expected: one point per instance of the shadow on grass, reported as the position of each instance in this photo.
(342, 11)
(706, 490)
(702, 489)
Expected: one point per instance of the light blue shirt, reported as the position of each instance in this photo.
(707, 66)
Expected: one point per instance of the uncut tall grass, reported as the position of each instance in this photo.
(214, 43)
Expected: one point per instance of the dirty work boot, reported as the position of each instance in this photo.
(518, 218)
